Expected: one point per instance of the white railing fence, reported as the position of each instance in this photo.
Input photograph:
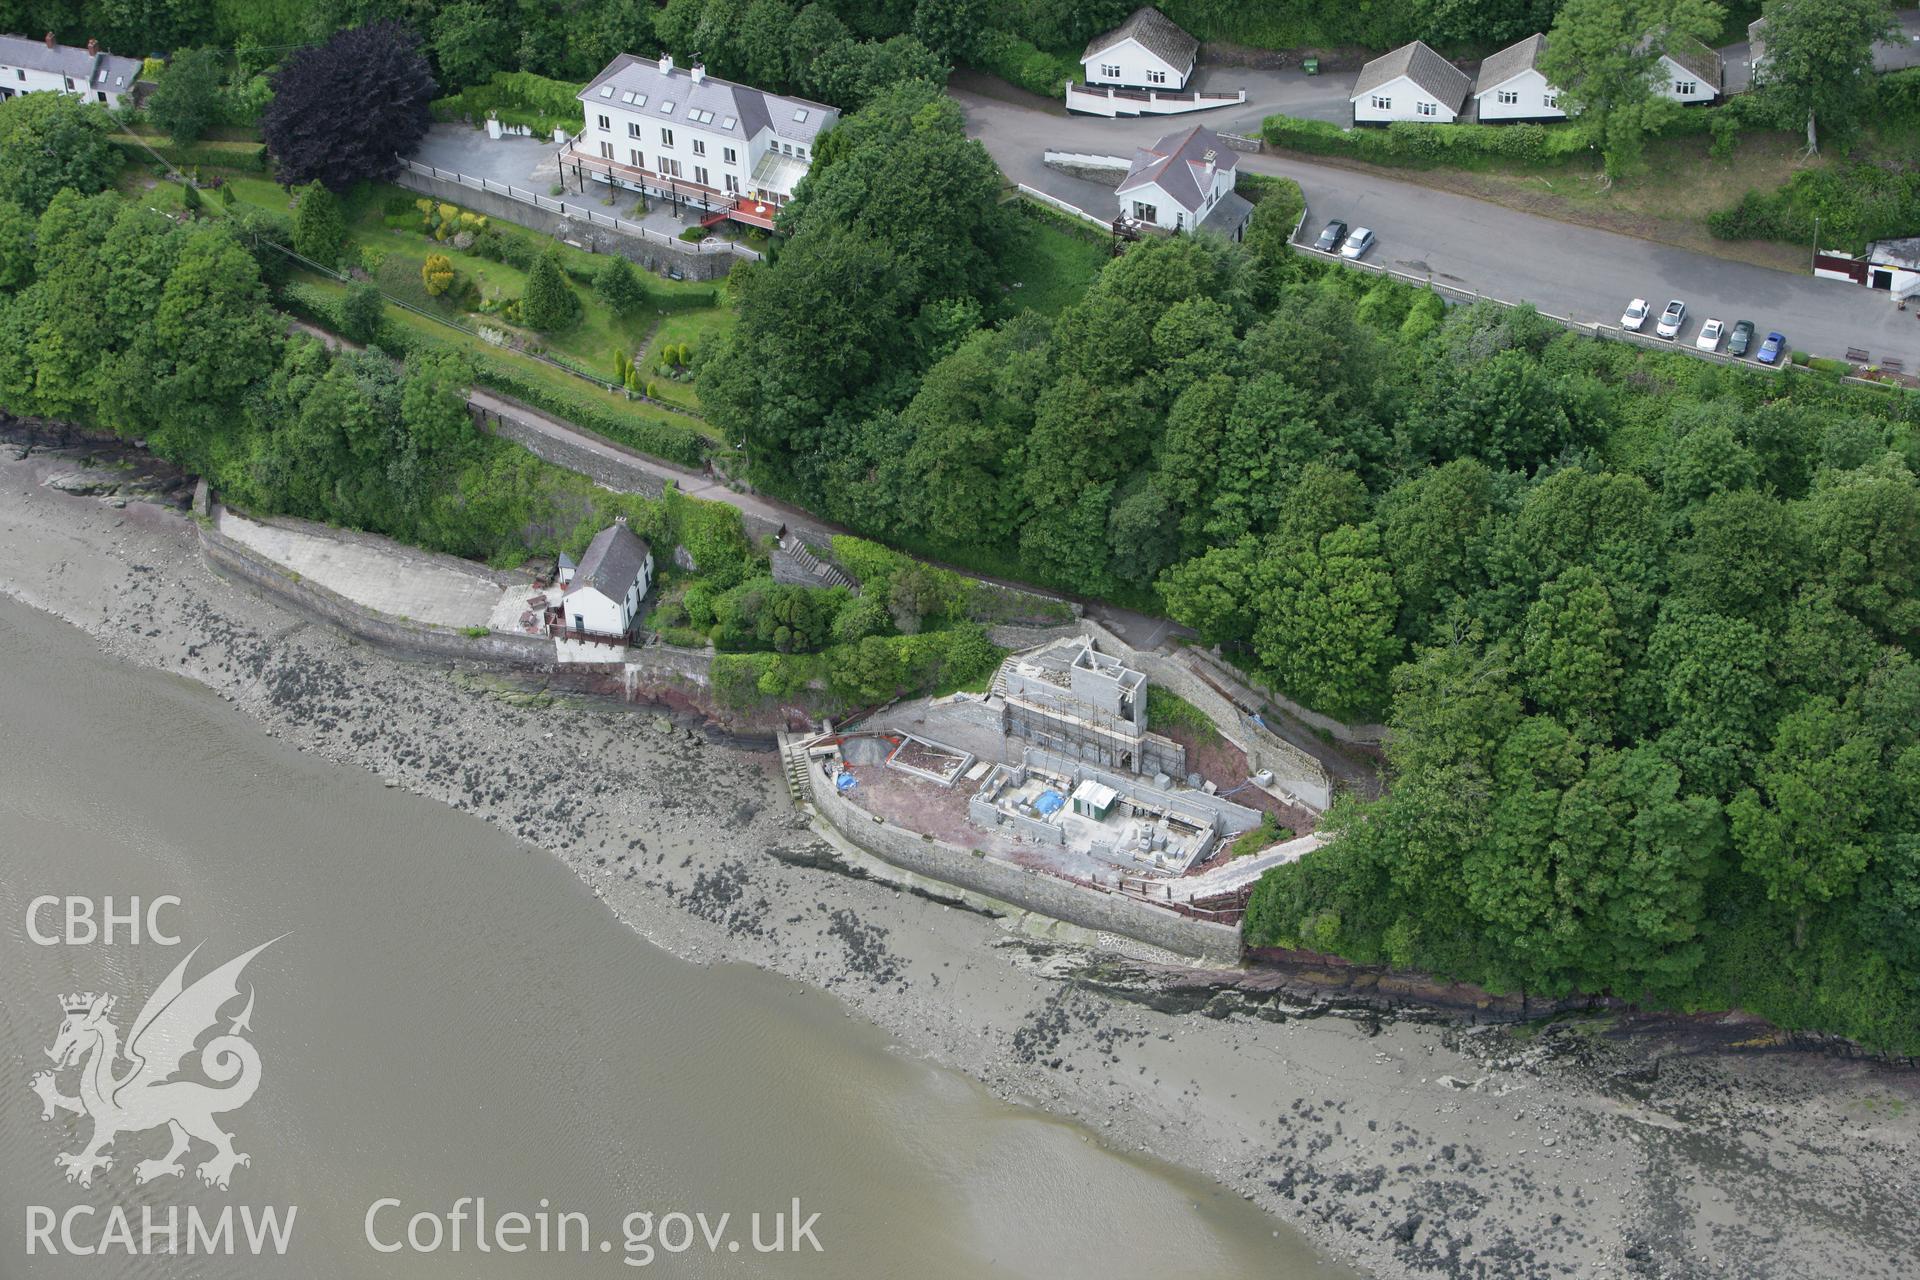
(580, 213)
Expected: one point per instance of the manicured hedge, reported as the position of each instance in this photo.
(1421, 145)
(518, 98)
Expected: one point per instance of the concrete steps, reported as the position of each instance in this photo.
(793, 757)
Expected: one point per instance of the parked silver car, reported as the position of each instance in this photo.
(1672, 319)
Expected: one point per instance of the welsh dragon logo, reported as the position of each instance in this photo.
(146, 1095)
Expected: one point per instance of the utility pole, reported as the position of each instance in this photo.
(1813, 261)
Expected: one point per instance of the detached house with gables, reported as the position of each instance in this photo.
(36, 66)
(680, 133)
(1411, 83)
(1147, 51)
(1510, 87)
(1689, 72)
(1184, 182)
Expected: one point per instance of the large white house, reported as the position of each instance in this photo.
(1510, 86)
(1689, 72)
(601, 595)
(681, 133)
(35, 66)
(1147, 51)
(1411, 83)
(1184, 182)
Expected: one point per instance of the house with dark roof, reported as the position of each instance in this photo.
(1412, 82)
(1511, 88)
(680, 133)
(1184, 182)
(600, 596)
(1689, 72)
(44, 65)
(1147, 51)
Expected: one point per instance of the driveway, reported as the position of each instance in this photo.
(1579, 273)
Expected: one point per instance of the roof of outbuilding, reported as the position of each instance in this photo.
(1155, 31)
(1175, 164)
(1420, 63)
(750, 109)
(1509, 62)
(101, 70)
(1903, 252)
(613, 561)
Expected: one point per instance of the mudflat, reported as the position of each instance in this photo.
(1407, 1145)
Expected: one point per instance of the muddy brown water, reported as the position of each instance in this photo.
(451, 1014)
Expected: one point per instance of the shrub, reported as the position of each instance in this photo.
(518, 98)
(437, 274)
(695, 234)
(361, 312)
(550, 304)
(319, 228)
(1851, 204)
(618, 285)
(1019, 62)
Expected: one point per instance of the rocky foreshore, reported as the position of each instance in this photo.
(1410, 1144)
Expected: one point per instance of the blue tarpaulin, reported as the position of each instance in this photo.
(844, 782)
(1048, 802)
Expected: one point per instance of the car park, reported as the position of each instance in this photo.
(1331, 237)
(1357, 244)
(1772, 349)
(1672, 319)
(1636, 315)
(1741, 338)
(1709, 339)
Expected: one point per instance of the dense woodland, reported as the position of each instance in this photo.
(1644, 625)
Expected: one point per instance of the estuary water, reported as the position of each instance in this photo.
(446, 1016)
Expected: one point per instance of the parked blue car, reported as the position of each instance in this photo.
(1770, 349)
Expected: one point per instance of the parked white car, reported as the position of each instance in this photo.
(1709, 339)
(1636, 315)
(1671, 320)
(1357, 244)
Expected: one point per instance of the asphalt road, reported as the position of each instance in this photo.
(1578, 273)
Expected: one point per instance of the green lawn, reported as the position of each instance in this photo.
(1050, 261)
(700, 329)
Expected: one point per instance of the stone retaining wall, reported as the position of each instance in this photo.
(656, 258)
(1359, 734)
(402, 636)
(1108, 171)
(982, 873)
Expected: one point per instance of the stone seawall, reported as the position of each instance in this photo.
(982, 873)
(657, 258)
(401, 636)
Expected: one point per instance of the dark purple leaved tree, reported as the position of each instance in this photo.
(342, 110)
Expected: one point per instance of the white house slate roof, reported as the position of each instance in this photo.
(1418, 62)
(1694, 56)
(613, 562)
(1510, 62)
(1179, 165)
(638, 84)
(100, 70)
(1757, 39)
(1156, 32)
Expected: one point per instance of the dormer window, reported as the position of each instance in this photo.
(666, 108)
(727, 123)
(606, 91)
(627, 97)
(800, 115)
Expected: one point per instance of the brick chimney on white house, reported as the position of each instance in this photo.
(50, 40)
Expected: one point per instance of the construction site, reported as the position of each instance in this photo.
(1056, 770)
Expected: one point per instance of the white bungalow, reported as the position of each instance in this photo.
(1184, 182)
(601, 596)
(1411, 83)
(1511, 88)
(1689, 72)
(34, 66)
(1147, 51)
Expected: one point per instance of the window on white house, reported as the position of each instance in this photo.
(1686, 88)
(639, 161)
(729, 155)
(639, 100)
(733, 184)
(627, 97)
(800, 115)
(1509, 98)
(666, 137)
(1146, 212)
(727, 123)
(669, 167)
(633, 130)
(700, 175)
(69, 80)
(606, 125)
(606, 151)
(1426, 108)
(1109, 71)
(1156, 77)
(666, 108)
(1551, 101)
(699, 147)
(1382, 104)
(606, 91)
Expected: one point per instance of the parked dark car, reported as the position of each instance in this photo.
(1741, 338)
(1332, 237)
(1773, 348)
